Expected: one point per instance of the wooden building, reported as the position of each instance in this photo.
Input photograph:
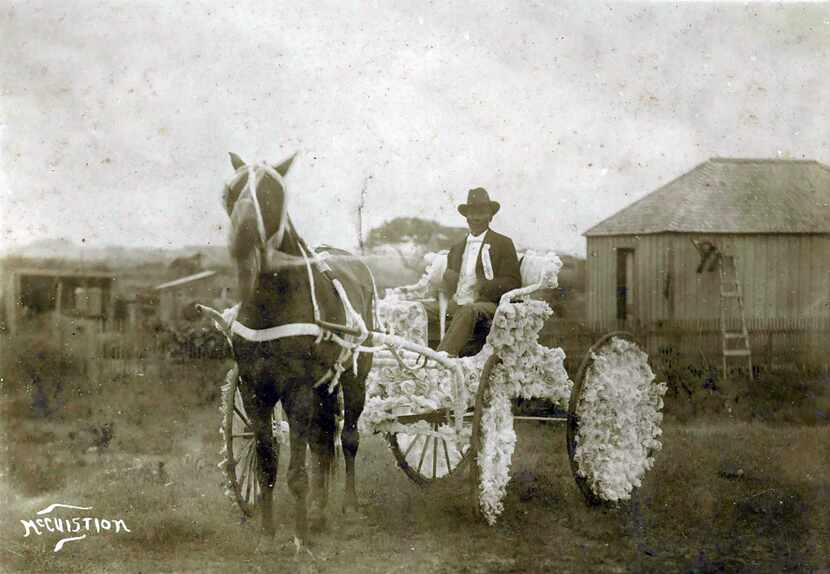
(34, 296)
(650, 264)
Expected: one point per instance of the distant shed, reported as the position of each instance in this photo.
(33, 293)
(773, 216)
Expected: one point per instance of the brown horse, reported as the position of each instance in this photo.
(277, 275)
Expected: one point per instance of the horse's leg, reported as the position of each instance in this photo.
(322, 453)
(259, 412)
(298, 407)
(354, 397)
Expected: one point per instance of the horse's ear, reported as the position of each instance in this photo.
(236, 161)
(283, 167)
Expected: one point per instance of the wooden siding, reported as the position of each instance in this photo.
(777, 344)
(782, 276)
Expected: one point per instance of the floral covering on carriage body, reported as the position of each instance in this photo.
(526, 369)
(535, 371)
(620, 414)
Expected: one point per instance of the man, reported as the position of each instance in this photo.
(480, 269)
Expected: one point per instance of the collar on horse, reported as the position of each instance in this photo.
(354, 333)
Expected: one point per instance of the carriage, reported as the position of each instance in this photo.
(446, 418)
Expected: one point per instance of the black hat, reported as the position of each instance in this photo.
(477, 197)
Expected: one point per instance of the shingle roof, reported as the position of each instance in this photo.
(725, 195)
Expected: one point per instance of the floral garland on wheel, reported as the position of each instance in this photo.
(527, 370)
(619, 413)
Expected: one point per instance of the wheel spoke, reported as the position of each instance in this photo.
(250, 476)
(411, 444)
(257, 486)
(243, 483)
(255, 478)
(244, 460)
(242, 416)
(423, 454)
(434, 457)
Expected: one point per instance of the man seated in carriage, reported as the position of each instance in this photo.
(480, 269)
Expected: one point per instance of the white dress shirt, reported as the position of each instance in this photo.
(466, 291)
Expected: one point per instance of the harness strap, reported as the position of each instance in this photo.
(348, 349)
(278, 332)
(260, 222)
(276, 239)
(314, 304)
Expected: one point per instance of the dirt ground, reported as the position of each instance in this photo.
(724, 496)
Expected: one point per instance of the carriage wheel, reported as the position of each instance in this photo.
(483, 398)
(426, 459)
(242, 465)
(573, 418)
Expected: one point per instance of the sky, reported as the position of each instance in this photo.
(116, 118)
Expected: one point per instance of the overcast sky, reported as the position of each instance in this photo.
(117, 116)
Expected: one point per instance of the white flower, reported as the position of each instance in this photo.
(527, 370)
(619, 421)
(498, 443)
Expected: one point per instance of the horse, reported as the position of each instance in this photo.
(283, 283)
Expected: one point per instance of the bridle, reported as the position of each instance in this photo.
(251, 189)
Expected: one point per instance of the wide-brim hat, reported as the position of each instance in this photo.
(476, 198)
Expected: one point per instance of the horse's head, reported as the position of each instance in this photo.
(255, 199)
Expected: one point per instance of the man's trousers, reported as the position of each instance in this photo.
(463, 320)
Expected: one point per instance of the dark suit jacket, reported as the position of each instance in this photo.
(506, 274)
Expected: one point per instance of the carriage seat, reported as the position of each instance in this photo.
(402, 307)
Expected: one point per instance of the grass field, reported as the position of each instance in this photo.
(724, 496)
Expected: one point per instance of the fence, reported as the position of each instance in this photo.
(153, 352)
(776, 344)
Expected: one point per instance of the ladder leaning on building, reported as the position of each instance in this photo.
(730, 292)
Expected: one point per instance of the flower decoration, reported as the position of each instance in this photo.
(496, 454)
(436, 264)
(527, 370)
(393, 391)
(407, 319)
(619, 420)
(541, 268)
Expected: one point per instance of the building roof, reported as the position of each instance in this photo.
(185, 280)
(727, 195)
